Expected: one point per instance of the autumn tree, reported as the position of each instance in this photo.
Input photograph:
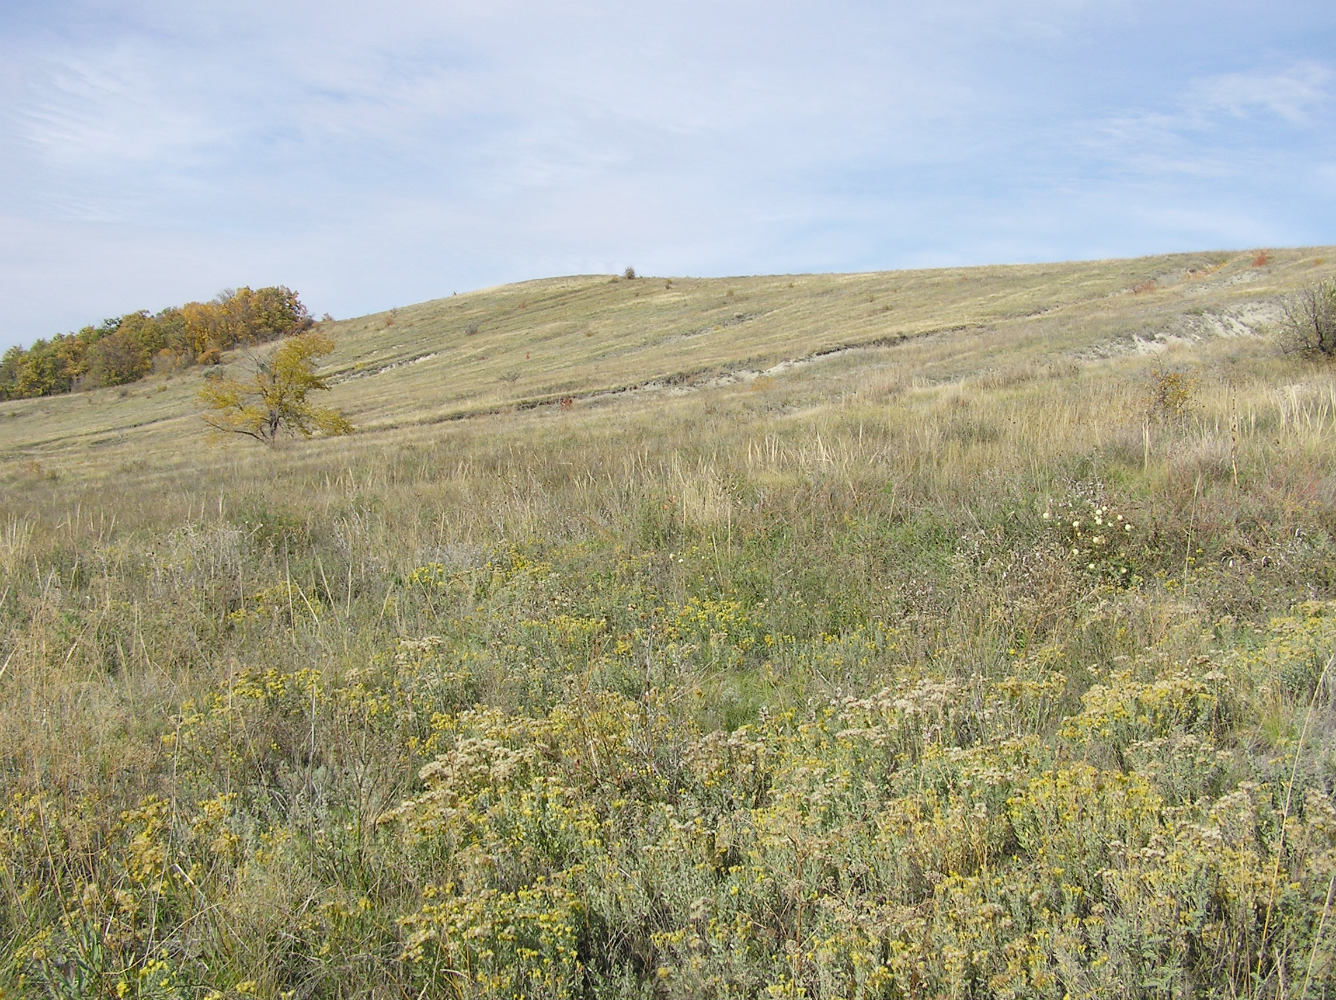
(48, 367)
(10, 363)
(272, 398)
(123, 350)
(252, 317)
(127, 348)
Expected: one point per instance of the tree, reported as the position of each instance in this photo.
(1310, 320)
(203, 329)
(123, 349)
(116, 360)
(44, 369)
(126, 349)
(242, 316)
(272, 398)
(267, 314)
(10, 364)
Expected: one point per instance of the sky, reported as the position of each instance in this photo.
(155, 152)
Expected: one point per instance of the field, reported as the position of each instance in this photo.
(957, 633)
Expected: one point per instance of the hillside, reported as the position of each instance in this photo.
(596, 338)
(962, 633)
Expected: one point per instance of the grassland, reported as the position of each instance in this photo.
(959, 633)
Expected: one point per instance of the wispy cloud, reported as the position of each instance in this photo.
(1223, 125)
(371, 155)
(1299, 94)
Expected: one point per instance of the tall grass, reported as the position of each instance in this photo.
(884, 675)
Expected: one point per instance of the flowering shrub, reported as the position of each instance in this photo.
(1095, 536)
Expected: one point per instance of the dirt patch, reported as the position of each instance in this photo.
(1250, 319)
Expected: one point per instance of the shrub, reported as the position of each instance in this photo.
(1169, 394)
(1309, 326)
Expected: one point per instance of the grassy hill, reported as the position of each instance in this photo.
(592, 337)
(962, 632)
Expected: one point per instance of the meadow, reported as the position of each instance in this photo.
(963, 633)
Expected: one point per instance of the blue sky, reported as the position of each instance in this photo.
(374, 155)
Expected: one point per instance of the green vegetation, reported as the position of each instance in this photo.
(127, 349)
(911, 652)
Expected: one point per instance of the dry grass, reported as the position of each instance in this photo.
(837, 650)
(586, 338)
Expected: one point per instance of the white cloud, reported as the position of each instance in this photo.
(1297, 94)
(1224, 126)
(110, 112)
(371, 155)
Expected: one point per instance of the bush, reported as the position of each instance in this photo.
(1169, 394)
(1309, 326)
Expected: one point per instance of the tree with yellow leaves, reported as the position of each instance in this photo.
(273, 397)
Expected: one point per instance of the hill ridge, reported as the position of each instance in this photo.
(598, 338)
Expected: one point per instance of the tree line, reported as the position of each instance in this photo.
(128, 348)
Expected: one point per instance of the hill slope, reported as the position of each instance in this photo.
(949, 633)
(542, 341)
